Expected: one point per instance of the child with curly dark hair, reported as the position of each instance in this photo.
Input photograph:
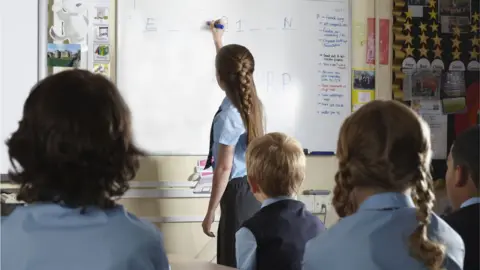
(72, 155)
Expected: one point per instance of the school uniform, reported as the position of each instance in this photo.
(275, 237)
(238, 203)
(376, 237)
(47, 236)
(466, 222)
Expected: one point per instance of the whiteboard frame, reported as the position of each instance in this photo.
(42, 40)
(350, 67)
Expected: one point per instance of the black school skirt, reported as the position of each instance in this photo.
(237, 205)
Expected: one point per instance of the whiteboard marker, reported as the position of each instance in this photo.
(216, 25)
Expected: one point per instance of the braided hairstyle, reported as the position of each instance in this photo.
(235, 66)
(385, 146)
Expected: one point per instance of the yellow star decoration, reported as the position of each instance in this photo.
(408, 39)
(409, 51)
(475, 41)
(432, 3)
(456, 43)
(408, 14)
(434, 27)
(456, 54)
(423, 38)
(456, 31)
(407, 26)
(473, 53)
(475, 16)
(423, 51)
(437, 40)
(433, 14)
(423, 27)
(438, 52)
(474, 28)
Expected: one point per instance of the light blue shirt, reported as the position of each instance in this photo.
(470, 201)
(377, 239)
(52, 237)
(246, 244)
(228, 129)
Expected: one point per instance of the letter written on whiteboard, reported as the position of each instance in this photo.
(150, 25)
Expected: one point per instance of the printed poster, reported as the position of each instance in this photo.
(101, 52)
(363, 90)
(453, 14)
(101, 14)
(102, 68)
(384, 41)
(101, 33)
(416, 7)
(431, 111)
(371, 41)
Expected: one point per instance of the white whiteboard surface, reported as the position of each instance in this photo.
(165, 68)
(18, 65)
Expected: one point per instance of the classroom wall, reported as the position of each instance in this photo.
(187, 238)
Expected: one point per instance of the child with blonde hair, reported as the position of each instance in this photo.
(275, 237)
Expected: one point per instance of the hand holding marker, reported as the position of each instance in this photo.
(218, 24)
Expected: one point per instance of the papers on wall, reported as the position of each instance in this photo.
(431, 112)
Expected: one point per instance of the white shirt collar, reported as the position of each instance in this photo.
(470, 201)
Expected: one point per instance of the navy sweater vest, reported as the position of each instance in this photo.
(282, 230)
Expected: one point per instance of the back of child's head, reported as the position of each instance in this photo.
(385, 146)
(235, 66)
(74, 143)
(276, 163)
(466, 151)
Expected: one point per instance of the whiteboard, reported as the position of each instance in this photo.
(18, 65)
(165, 68)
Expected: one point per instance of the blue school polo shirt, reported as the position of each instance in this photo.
(377, 239)
(228, 129)
(48, 236)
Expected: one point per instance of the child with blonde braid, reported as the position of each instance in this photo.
(238, 121)
(384, 197)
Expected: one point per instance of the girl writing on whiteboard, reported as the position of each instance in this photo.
(237, 122)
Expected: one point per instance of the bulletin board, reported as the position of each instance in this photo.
(435, 67)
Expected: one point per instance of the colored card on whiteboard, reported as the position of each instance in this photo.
(370, 41)
(384, 41)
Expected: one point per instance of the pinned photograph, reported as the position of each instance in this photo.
(101, 52)
(425, 85)
(364, 79)
(64, 55)
(102, 68)
(455, 15)
(102, 32)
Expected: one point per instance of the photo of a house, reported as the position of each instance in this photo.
(63, 55)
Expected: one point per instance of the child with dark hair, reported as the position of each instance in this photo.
(463, 191)
(72, 155)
